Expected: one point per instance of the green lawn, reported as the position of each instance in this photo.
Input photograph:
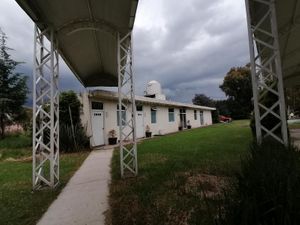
(18, 204)
(15, 146)
(294, 125)
(179, 176)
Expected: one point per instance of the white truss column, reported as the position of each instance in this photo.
(127, 109)
(266, 71)
(45, 171)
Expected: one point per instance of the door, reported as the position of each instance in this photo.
(98, 123)
(140, 132)
(182, 114)
(201, 118)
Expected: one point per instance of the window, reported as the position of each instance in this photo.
(123, 115)
(97, 105)
(171, 115)
(195, 114)
(182, 111)
(153, 115)
(139, 108)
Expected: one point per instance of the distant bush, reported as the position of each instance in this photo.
(267, 190)
(66, 138)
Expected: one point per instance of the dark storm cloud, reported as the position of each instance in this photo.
(193, 46)
(188, 46)
(19, 30)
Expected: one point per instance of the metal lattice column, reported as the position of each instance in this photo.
(127, 125)
(266, 72)
(45, 171)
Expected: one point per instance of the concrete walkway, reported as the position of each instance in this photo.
(295, 136)
(84, 199)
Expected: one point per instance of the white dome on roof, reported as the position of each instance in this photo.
(153, 88)
(153, 82)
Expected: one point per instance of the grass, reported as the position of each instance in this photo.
(179, 175)
(18, 204)
(294, 125)
(15, 141)
(15, 146)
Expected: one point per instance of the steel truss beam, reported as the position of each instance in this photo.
(45, 171)
(266, 72)
(127, 125)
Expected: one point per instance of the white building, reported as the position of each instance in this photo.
(100, 114)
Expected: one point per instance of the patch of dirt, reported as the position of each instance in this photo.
(178, 217)
(205, 185)
(23, 159)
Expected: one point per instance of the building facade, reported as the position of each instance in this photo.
(100, 115)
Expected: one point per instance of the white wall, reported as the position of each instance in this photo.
(162, 125)
(207, 118)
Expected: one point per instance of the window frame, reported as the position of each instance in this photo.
(123, 115)
(153, 110)
(195, 114)
(171, 115)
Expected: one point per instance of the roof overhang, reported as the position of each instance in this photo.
(288, 26)
(86, 32)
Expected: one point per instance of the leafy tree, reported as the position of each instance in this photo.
(238, 89)
(222, 107)
(13, 88)
(72, 135)
(202, 99)
(69, 102)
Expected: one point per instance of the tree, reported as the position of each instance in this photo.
(69, 104)
(238, 89)
(202, 99)
(13, 89)
(72, 136)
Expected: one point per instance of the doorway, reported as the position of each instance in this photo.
(140, 131)
(98, 123)
(182, 114)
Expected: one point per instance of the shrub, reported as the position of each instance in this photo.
(67, 141)
(267, 190)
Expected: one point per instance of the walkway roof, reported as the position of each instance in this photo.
(86, 31)
(288, 21)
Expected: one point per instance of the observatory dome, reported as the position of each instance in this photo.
(153, 88)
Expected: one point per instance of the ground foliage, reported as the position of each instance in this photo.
(267, 190)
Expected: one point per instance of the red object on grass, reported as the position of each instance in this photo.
(225, 119)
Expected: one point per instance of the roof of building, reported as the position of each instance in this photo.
(110, 95)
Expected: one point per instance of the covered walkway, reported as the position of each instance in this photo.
(94, 39)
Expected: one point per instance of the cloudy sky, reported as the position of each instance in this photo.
(188, 46)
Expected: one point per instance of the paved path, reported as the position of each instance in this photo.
(295, 136)
(84, 199)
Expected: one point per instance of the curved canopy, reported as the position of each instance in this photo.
(86, 31)
(288, 22)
